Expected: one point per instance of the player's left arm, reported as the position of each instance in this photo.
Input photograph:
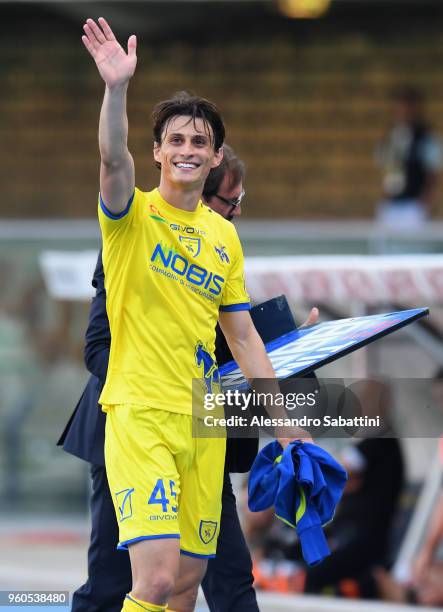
(249, 352)
(243, 339)
(245, 344)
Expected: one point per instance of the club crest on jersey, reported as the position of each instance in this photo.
(124, 503)
(207, 531)
(221, 252)
(191, 244)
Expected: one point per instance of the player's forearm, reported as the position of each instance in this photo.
(113, 127)
(255, 364)
(250, 354)
(248, 349)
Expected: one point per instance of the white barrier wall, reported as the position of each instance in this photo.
(341, 279)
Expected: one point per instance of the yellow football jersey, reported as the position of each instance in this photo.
(168, 272)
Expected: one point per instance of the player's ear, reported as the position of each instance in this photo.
(156, 151)
(217, 158)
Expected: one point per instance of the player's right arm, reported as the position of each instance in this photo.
(116, 67)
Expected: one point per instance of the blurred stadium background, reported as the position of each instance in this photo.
(305, 101)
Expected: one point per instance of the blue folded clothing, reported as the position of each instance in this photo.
(304, 483)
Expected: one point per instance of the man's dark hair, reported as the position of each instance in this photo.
(230, 164)
(184, 104)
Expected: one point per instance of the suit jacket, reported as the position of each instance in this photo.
(84, 433)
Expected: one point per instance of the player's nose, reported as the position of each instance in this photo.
(187, 148)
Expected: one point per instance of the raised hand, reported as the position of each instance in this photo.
(312, 318)
(116, 66)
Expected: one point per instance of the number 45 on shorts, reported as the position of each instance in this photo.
(158, 496)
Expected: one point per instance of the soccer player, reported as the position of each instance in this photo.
(170, 265)
(228, 580)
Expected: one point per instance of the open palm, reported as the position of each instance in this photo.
(114, 64)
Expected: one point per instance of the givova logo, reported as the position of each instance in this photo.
(196, 275)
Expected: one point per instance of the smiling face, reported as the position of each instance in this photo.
(186, 152)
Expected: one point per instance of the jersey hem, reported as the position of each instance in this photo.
(106, 404)
(197, 555)
(163, 536)
(138, 604)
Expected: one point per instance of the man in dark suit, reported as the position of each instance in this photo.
(228, 581)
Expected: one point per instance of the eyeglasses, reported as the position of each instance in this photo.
(234, 202)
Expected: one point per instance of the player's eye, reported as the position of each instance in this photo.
(200, 142)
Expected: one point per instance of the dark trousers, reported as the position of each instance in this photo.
(228, 581)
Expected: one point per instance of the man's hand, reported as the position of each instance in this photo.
(291, 434)
(115, 66)
(312, 318)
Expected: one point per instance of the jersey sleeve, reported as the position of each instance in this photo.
(235, 296)
(113, 225)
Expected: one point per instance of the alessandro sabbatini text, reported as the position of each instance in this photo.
(312, 409)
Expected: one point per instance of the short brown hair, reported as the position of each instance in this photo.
(229, 164)
(184, 104)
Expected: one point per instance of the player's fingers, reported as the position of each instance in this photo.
(91, 36)
(88, 45)
(132, 45)
(284, 442)
(312, 318)
(106, 29)
(97, 31)
(313, 315)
